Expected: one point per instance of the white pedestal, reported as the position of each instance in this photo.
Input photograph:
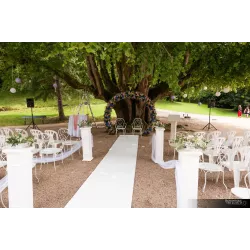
(158, 145)
(20, 185)
(86, 143)
(173, 119)
(187, 176)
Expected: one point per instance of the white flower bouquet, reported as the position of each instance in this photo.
(189, 141)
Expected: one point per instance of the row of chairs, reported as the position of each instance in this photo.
(121, 125)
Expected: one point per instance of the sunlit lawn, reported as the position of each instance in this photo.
(194, 108)
(16, 105)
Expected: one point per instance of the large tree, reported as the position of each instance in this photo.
(155, 69)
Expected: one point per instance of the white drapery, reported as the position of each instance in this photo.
(73, 128)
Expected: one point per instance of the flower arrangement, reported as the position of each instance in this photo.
(84, 124)
(158, 123)
(189, 141)
(133, 96)
(17, 139)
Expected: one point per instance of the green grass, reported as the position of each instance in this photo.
(194, 108)
(16, 106)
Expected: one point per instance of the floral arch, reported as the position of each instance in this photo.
(134, 96)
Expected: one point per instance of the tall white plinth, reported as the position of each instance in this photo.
(158, 145)
(86, 143)
(173, 119)
(20, 185)
(187, 176)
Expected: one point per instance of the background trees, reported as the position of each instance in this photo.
(155, 69)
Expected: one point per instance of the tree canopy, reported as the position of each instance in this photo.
(155, 69)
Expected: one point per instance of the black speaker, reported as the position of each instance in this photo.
(30, 103)
(211, 104)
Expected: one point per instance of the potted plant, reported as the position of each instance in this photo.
(17, 141)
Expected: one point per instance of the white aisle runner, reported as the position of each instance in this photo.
(111, 183)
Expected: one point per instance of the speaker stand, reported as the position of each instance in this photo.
(34, 126)
(209, 125)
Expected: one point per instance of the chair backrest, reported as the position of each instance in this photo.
(1, 131)
(213, 134)
(230, 134)
(23, 132)
(37, 134)
(52, 134)
(237, 142)
(7, 132)
(2, 141)
(137, 123)
(217, 143)
(63, 134)
(120, 123)
(244, 153)
(246, 136)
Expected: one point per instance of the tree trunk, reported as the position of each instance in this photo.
(59, 101)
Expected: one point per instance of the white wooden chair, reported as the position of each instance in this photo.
(214, 167)
(37, 134)
(242, 193)
(120, 125)
(137, 125)
(21, 131)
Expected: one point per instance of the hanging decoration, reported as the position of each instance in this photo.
(134, 96)
(13, 90)
(172, 97)
(55, 86)
(217, 93)
(205, 88)
(18, 80)
(226, 90)
(185, 96)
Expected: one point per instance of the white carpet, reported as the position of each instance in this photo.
(111, 183)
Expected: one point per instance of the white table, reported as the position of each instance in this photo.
(75, 130)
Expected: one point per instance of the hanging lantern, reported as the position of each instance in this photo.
(185, 96)
(217, 93)
(172, 97)
(13, 90)
(18, 80)
(55, 86)
(205, 88)
(226, 90)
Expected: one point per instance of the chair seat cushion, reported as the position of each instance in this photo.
(243, 193)
(210, 167)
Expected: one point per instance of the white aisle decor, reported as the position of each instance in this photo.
(87, 143)
(173, 119)
(20, 185)
(158, 145)
(112, 182)
(73, 128)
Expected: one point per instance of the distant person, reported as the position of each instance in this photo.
(239, 111)
(247, 111)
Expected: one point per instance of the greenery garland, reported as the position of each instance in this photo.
(134, 96)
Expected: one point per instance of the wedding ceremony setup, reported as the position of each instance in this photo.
(100, 132)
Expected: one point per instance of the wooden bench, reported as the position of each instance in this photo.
(42, 117)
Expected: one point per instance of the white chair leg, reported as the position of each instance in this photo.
(203, 190)
(174, 154)
(218, 176)
(223, 180)
(2, 200)
(36, 175)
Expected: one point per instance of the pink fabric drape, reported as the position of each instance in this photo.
(75, 117)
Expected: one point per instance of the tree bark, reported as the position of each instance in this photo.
(59, 100)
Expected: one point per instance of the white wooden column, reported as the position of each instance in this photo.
(173, 119)
(187, 176)
(20, 185)
(158, 145)
(86, 143)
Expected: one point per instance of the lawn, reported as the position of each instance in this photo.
(194, 108)
(15, 104)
